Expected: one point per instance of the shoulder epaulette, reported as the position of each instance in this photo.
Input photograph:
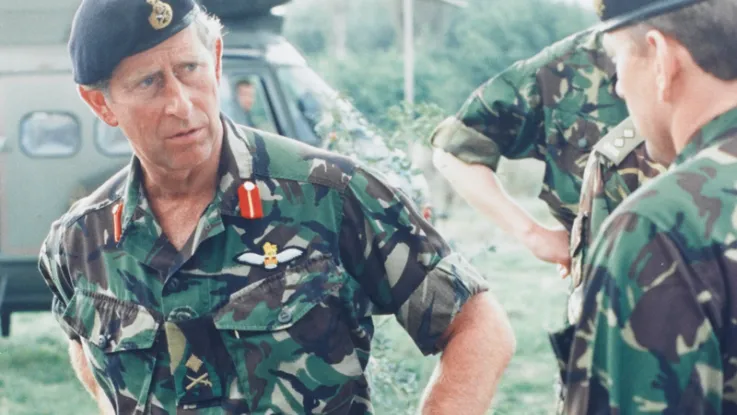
(619, 142)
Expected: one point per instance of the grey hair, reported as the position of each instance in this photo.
(209, 30)
(706, 29)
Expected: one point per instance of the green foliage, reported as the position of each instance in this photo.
(387, 151)
(472, 45)
(411, 123)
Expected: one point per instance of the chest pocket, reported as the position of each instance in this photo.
(119, 337)
(290, 342)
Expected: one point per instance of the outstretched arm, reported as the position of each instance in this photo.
(486, 194)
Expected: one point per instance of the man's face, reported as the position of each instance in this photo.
(245, 96)
(636, 84)
(165, 100)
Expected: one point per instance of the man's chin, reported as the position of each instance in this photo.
(189, 158)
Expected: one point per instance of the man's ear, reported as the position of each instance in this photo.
(96, 100)
(218, 58)
(667, 66)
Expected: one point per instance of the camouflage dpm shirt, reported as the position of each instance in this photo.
(265, 315)
(658, 330)
(553, 107)
(617, 166)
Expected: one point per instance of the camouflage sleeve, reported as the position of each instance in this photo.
(645, 342)
(53, 269)
(401, 262)
(503, 117)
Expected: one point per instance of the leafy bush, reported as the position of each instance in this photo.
(475, 43)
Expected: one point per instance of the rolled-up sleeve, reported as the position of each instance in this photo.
(402, 263)
(503, 117)
(56, 276)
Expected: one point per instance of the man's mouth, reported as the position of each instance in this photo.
(186, 133)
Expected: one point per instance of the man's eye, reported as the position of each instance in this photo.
(147, 82)
(191, 67)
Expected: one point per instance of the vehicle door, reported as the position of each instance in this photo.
(50, 156)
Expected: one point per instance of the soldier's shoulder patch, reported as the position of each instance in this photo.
(619, 142)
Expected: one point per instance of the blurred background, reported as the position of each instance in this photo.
(386, 70)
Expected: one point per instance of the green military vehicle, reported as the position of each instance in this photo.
(53, 150)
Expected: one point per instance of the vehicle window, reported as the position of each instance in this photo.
(110, 140)
(49, 134)
(304, 101)
(317, 109)
(243, 98)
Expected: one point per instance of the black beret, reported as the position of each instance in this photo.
(104, 32)
(615, 14)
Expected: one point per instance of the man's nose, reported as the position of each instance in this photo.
(178, 99)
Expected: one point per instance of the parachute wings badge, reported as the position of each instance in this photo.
(271, 257)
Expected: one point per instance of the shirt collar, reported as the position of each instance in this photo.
(715, 129)
(236, 166)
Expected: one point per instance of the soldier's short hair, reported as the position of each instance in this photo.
(707, 29)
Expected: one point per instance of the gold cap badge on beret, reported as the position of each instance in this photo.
(615, 14)
(599, 7)
(161, 15)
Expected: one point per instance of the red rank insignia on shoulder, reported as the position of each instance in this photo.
(117, 225)
(249, 201)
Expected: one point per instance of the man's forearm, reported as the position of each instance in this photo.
(473, 361)
(79, 364)
(85, 376)
(480, 187)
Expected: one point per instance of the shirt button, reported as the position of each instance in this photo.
(103, 341)
(285, 316)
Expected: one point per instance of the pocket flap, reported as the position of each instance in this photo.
(280, 300)
(111, 324)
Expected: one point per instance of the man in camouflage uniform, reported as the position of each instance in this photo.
(553, 107)
(618, 165)
(230, 271)
(657, 328)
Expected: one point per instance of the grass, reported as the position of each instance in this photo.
(36, 378)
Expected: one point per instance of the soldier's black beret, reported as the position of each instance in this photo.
(104, 32)
(615, 14)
